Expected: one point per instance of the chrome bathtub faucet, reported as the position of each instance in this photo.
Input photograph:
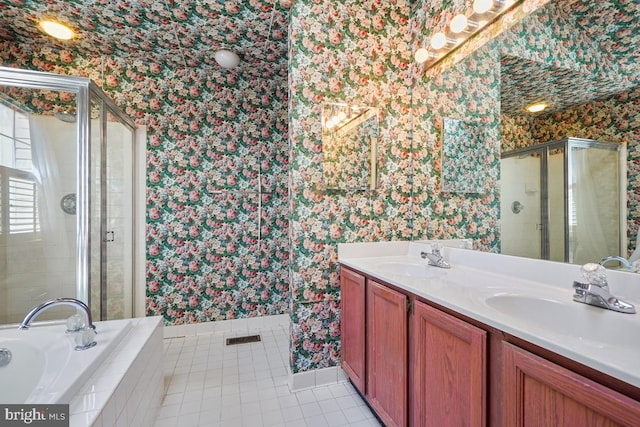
(435, 256)
(595, 290)
(84, 336)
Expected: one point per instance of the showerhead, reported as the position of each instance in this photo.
(67, 116)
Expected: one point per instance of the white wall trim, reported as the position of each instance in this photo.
(316, 377)
(140, 222)
(248, 324)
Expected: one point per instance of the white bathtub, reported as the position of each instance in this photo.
(117, 382)
(44, 366)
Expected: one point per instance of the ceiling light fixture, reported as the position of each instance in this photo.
(537, 107)
(57, 30)
(226, 58)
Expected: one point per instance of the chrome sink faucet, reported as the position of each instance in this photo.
(84, 336)
(595, 290)
(621, 260)
(435, 256)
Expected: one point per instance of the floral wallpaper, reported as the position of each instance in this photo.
(468, 91)
(525, 82)
(466, 149)
(217, 167)
(354, 52)
(170, 33)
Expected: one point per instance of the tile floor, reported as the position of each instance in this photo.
(210, 384)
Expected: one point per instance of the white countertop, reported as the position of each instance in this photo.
(476, 283)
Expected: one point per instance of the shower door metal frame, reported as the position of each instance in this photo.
(565, 144)
(543, 150)
(84, 88)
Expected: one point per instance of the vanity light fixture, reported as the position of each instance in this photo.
(421, 55)
(482, 6)
(537, 107)
(461, 28)
(56, 29)
(458, 23)
(438, 40)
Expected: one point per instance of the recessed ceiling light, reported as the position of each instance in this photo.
(57, 30)
(537, 107)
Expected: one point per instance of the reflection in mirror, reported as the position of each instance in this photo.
(578, 61)
(349, 146)
(572, 192)
(465, 150)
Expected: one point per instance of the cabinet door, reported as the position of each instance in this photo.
(540, 393)
(352, 324)
(387, 353)
(447, 370)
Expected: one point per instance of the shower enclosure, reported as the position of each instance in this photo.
(562, 201)
(66, 196)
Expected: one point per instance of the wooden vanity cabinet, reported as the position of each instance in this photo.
(352, 326)
(374, 330)
(537, 392)
(432, 368)
(447, 370)
(387, 353)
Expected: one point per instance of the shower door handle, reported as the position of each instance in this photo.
(109, 236)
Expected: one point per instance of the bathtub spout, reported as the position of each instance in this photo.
(54, 302)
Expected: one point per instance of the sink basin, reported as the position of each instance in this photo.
(409, 269)
(571, 319)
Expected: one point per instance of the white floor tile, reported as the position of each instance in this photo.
(211, 384)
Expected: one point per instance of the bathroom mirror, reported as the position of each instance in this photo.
(576, 61)
(465, 149)
(580, 59)
(349, 146)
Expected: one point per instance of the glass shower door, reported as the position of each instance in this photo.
(555, 209)
(111, 216)
(117, 285)
(37, 201)
(594, 202)
(520, 211)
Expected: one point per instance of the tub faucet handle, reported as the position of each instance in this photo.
(85, 338)
(75, 323)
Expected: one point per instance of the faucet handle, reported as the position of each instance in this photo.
(594, 274)
(85, 338)
(436, 247)
(75, 323)
(580, 286)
